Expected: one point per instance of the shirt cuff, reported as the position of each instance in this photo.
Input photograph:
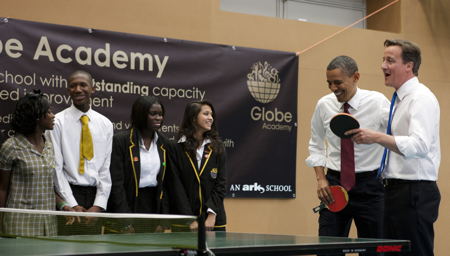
(211, 211)
(315, 160)
(100, 202)
(403, 146)
(71, 201)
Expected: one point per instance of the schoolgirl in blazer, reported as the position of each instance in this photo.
(200, 162)
(126, 172)
(139, 162)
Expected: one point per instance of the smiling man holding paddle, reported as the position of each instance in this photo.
(410, 164)
(352, 166)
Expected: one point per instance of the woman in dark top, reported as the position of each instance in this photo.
(139, 162)
(199, 161)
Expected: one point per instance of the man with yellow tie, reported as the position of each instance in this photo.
(82, 163)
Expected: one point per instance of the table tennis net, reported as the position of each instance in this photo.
(30, 223)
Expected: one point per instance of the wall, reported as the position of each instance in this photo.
(386, 20)
(202, 20)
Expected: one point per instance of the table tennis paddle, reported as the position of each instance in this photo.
(340, 197)
(343, 122)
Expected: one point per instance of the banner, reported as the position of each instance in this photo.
(254, 91)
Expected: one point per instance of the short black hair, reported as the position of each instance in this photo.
(344, 63)
(71, 76)
(410, 52)
(29, 109)
(140, 108)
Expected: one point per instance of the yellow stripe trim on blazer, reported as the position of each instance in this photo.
(198, 176)
(164, 164)
(132, 161)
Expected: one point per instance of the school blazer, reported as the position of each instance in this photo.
(205, 187)
(126, 169)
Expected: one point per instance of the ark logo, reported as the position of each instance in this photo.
(253, 187)
(263, 82)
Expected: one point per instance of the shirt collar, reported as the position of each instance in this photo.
(182, 139)
(407, 87)
(354, 102)
(22, 141)
(25, 144)
(205, 141)
(78, 113)
(155, 139)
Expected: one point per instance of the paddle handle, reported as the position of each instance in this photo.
(319, 208)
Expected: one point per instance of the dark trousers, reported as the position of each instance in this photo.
(146, 203)
(365, 207)
(85, 197)
(411, 209)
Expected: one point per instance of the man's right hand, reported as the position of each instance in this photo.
(324, 192)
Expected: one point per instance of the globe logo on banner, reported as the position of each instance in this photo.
(263, 82)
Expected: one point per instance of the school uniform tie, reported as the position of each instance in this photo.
(347, 160)
(86, 147)
(388, 131)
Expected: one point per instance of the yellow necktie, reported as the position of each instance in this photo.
(86, 147)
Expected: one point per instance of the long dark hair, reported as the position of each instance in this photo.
(139, 111)
(29, 109)
(188, 128)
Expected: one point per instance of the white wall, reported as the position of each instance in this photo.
(331, 12)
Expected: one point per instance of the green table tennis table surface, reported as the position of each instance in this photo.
(220, 243)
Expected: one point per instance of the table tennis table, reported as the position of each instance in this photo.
(184, 243)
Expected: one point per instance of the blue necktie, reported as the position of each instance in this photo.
(388, 131)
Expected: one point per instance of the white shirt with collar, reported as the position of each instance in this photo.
(66, 136)
(415, 127)
(150, 163)
(370, 108)
(199, 151)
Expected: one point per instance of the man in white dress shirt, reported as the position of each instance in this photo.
(412, 195)
(371, 109)
(85, 190)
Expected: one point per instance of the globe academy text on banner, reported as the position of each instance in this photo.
(264, 85)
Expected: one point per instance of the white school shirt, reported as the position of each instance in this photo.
(150, 163)
(66, 136)
(415, 127)
(199, 151)
(370, 108)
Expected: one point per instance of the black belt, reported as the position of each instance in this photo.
(148, 189)
(393, 182)
(83, 187)
(357, 175)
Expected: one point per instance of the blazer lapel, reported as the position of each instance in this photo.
(205, 158)
(135, 159)
(163, 159)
